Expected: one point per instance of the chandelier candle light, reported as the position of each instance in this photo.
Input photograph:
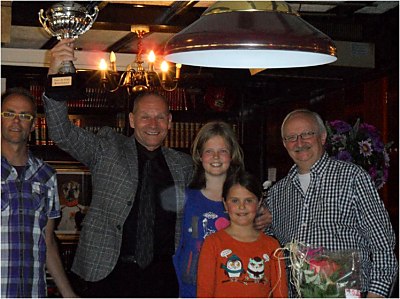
(136, 78)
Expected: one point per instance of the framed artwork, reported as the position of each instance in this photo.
(75, 193)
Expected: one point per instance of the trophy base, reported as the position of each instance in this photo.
(64, 87)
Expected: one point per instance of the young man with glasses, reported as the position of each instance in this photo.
(29, 205)
(331, 203)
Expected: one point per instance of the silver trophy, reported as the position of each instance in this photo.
(67, 20)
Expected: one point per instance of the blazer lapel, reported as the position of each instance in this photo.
(132, 158)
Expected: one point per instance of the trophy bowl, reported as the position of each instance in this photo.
(67, 20)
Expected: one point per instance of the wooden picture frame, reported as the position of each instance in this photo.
(75, 193)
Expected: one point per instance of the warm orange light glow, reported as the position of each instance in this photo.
(164, 69)
(103, 69)
(164, 66)
(151, 57)
(178, 70)
(102, 65)
(144, 72)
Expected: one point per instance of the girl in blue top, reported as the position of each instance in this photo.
(216, 154)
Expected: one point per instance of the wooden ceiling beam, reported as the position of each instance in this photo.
(164, 19)
(127, 27)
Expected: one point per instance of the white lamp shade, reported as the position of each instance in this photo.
(259, 37)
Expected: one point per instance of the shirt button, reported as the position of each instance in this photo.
(119, 227)
(129, 203)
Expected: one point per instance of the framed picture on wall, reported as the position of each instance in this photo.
(75, 193)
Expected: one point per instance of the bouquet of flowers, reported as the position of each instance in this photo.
(361, 144)
(321, 273)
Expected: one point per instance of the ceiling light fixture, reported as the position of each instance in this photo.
(250, 34)
(136, 78)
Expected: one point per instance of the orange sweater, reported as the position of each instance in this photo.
(230, 268)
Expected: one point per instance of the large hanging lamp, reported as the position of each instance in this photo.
(250, 34)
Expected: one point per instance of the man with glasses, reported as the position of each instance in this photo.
(331, 203)
(29, 204)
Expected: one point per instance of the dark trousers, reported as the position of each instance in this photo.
(130, 281)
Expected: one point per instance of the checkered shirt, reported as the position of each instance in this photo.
(25, 207)
(340, 210)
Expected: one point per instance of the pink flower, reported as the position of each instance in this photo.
(311, 252)
(325, 267)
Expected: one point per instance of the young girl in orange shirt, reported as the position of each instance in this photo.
(239, 260)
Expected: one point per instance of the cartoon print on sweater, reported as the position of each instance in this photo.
(234, 268)
(255, 269)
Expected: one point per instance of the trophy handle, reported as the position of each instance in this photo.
(44, 21)
(92, 18)
(94, 15)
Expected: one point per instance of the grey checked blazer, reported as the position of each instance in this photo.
(112, 160)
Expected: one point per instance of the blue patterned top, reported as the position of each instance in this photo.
(26, 204)
(201, 218)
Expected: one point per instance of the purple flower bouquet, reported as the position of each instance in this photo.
(360, 144)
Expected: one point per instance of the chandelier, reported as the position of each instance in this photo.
(136, 78)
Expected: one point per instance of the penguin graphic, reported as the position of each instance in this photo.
(233, 267)
(255, 269)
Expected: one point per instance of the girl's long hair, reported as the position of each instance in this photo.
(209, 130)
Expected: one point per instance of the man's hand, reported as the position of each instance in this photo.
(63, 51)
(264, 219)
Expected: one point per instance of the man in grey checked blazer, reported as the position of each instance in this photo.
(113, 162)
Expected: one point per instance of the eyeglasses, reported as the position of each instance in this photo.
(303, 136)
(21, 116)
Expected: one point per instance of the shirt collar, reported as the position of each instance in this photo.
(318, 167)
(145, 153)
(6, 167)
(31, 160)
